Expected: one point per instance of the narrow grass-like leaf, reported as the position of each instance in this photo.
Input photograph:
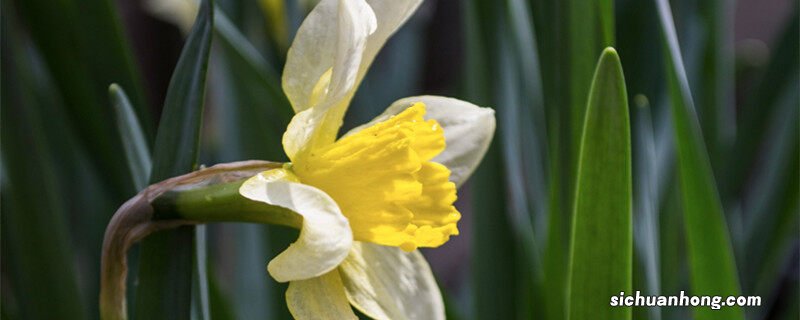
(601, 253)
(133, 139)
(201, 305)
(711, 257)
(646, 236)
(165, 272)
(531, 115)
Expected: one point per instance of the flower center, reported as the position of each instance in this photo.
(383, 179)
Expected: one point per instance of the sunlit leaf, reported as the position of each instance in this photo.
(602, 241)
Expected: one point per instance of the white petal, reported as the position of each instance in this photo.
(178, 12)
(332, 37)
(299, 131)
(325, 237)
(468, 131)
(328, 59)
(389, 283)
(322, 297)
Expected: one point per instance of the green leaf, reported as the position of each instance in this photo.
(754, 115)
(165, 274)
(496, 242)
(257, 112)
(82, 45)
(646, 200)
(770, 203)
(716, 77)
(201, 306)
(494, 246)
(601, 253)
(515, 141)
(711, 259)
(39, 276)
(133, 139)
(255, 116)
(591, 28)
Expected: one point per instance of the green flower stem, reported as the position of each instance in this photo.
(207, 195)
(220, 203)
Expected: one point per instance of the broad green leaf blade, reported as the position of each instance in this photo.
(711, 259)
(165, 274)
(133, 139)
(602, 253)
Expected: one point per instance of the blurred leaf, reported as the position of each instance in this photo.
(201, 306)
(494, 248)
(165, 275)
(260, 111)
(36, 246)
(133, 140)
(770, 202)
(711, 258)
(219, 303)
(255, 115)
(591, 28)
(758, 107)
(496, 242)
(82, 44)
(525, 99)
(715, 76)
(519, 207)
(602, 253)
(646, 200)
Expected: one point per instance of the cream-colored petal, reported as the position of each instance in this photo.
(178, 12)
(389, 283)
(328, 59)
(299, 131)
(322, 297)
(325, 237)
(331, 39)
(468, 131)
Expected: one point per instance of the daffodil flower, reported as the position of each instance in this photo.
(372, 197)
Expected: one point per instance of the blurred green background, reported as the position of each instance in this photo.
(721, 196)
